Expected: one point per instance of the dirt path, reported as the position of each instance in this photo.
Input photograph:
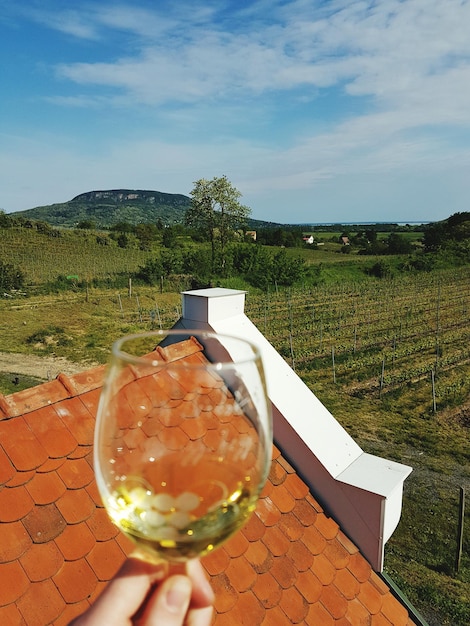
(45, 368)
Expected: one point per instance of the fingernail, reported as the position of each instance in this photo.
(179, 593)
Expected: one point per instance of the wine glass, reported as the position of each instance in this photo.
(182, 440)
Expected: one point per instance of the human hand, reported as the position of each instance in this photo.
(142, 594)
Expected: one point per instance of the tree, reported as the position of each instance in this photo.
(5, 220)
(169, 237)
(440, 235)
(87, 225)
(398, 244)
(215, 209)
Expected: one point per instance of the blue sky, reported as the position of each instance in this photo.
(341, 110)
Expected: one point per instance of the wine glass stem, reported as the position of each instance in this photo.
(162, 566)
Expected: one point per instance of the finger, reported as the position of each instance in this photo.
(203, 594)
(200, 617)
(169, 603)
(124, 594)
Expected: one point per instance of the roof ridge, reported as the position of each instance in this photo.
(50, 392)
(64, 386)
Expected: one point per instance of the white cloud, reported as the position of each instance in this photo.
(401, 67)
(401, 53)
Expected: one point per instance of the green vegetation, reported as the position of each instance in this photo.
(381, 339)
(104, 209)
(11, 277)
(11, 383)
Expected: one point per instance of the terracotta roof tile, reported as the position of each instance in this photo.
(50, 431)
(10, 616)
(71, 611)
(21, 445)
(50, 465)
(294, 605)
(14, 541)
(295, 486)
(334, 601)
(15, 503)
(291, 563)
(7, 471)
(259, 556)
(44, 523)
(29, 400)
(83, 381)
(283, 499)
(305, 513)
(284, 571)
(247, 610)
(77, 419)
(359, 567)
(75, 506)
(291, 526)
(21, 478)
(318, 614)
(237, 545)
(41, 604)
(301, 555)
(75, 580)
(75, 542)
(379, 620)
(14, 582)
(100, 527)
(226, 596)
(76, 473)
(337, 554)
(267, 590)
(242, 575)
(45, 487)
(41, 561)
(314, 540)
(327, 526)
(358, 614)
(309, 586)
(267, 511)
(398, 615)
(370, 598)
(324, 569)
(104, 558)
(276, 541)
(347, 584)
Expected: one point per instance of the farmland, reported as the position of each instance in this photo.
(389, 358)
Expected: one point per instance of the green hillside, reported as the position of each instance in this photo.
(107, 208)
(110, 207)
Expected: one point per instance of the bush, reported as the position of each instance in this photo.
(11, 277)
(381, 269)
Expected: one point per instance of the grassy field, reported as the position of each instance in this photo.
(389, 358)
(42, 258)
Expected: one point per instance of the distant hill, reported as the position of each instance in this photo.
(109, 207)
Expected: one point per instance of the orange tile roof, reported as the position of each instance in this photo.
(291, 564)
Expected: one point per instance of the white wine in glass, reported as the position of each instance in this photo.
(183, 440)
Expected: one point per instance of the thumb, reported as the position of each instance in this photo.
(169, 603)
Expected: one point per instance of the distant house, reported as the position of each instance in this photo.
(308, 239)
(251, 233)
(345, 240)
